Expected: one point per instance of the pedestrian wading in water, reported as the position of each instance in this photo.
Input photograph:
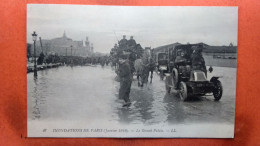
(125, 75)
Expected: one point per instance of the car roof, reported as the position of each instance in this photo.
(188, 46)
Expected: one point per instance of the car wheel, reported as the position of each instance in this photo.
(218, 90)
(183, 93)
(175, 77)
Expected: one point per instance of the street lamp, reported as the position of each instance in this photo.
(71, 50)
(34, 36)
(71, 60)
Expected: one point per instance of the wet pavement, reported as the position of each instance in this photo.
(90, 93)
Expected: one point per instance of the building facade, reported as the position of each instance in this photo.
(65, 46)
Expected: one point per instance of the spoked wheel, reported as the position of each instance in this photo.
(183, 93)
(167, 84)
(218, 90)
(175, 77)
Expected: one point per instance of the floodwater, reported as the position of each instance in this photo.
(90, 93)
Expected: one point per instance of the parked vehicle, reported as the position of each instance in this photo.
(162, 63)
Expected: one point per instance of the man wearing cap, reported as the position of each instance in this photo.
(125, 78)
(123, 43)
(198, 61)
(131, 43)
(115, 47)
(131, 47)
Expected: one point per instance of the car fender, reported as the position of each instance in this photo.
(215, 78)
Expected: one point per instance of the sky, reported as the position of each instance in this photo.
(151, 26)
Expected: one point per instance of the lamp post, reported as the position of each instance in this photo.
(71, 61)
(71, 50)
(34, 36)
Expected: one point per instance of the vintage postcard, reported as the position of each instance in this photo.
(131, 71)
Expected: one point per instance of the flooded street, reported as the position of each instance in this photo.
(89, 94)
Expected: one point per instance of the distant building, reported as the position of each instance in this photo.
(207, 48)
(65, 46)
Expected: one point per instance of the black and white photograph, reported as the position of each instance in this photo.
(131, 71)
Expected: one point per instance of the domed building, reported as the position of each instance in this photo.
(65, 46)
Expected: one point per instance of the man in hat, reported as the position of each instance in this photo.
(132, 58)
(115, 47)
(197, 60)
(131, 43)
(125, 78)
(123, 43)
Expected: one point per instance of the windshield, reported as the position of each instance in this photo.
(162, 56)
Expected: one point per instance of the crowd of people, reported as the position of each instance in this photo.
(71, 60)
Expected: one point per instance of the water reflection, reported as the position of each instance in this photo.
(140, 110)
(36, 109)
(38, 95)
(175, 109)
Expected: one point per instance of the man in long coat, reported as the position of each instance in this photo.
(125, 75)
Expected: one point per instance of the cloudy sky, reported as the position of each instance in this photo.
(150, 26)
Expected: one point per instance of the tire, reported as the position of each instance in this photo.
(183, 91)
(175, 77)
(218, 90)
(167, 83)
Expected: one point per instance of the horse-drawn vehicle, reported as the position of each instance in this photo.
(187, 73)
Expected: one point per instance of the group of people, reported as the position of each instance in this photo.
(126, 47)
(126, 56)
(129, 60)
(123, 57)
(190, 59)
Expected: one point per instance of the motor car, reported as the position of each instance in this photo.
(187, 80)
